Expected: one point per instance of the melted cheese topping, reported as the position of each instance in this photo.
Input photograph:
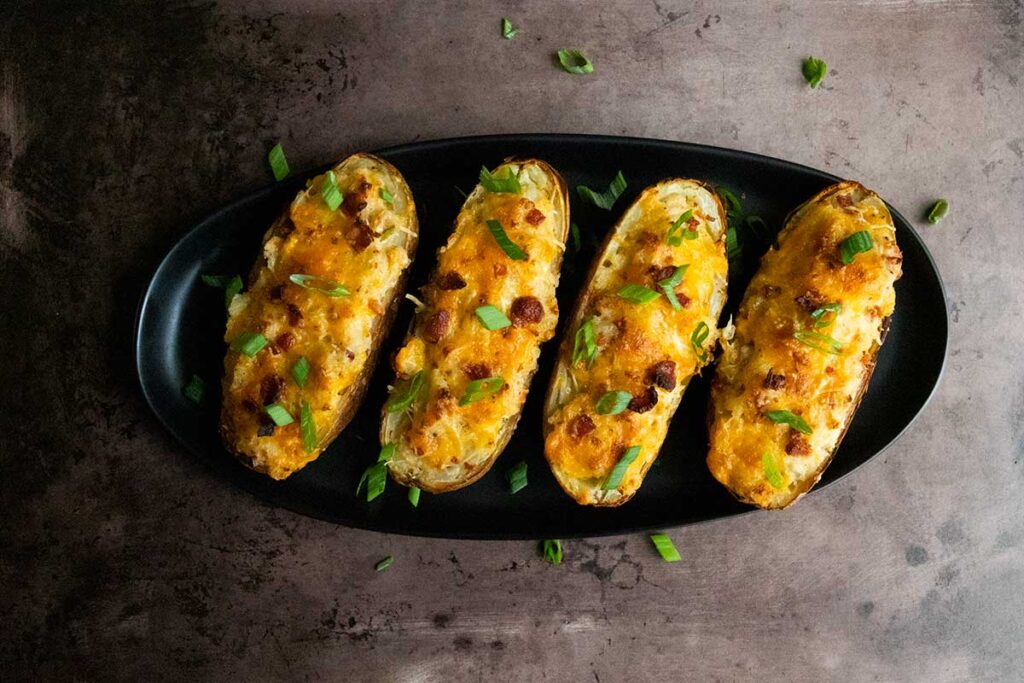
(439, 443)
(632, 338)
(364, 245)
(795, 278)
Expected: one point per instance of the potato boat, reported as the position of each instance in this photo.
(304, 338)
(807, 335)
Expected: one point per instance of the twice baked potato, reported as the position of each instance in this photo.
(645, 323)
(807, 335)
(304, 337)
(464, 369)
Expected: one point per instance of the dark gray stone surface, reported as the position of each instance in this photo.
(122, 123)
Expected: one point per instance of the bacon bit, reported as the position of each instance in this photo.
(684, 300)
(294, 315)
(810, 300)
(449, 281)
(250, 405)
(645, 401)
(349, 354)
(534, 217)
(844, 200)
(285, 340)
(275, 293)
(265, 428)
(645, 238)
(270, 389)
(620, 325)
(360, 235)
(526, 310)
(774, 381)
(355, 201)
(663, 374)
(443, 394)
(770, 290)
(659, 273)
(580, 426)
(436, 326)
(477, 371)
(797, 444)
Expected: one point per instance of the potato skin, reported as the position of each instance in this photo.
(365, 234)
(644, 349)
(441, 445)
(765, 368)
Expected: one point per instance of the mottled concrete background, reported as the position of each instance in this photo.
(122, 558)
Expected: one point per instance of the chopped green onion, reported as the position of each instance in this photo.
(279, 415)
(194, 389)
(771, 471)
(818, 341)
(233, 287)
(492, 317)
(384, 564)
(938, 211)
(507, 32)
(403, 400)
(676, 233)
(733, 205)
(218, 281)
(511, 249)
(585, 345)
(376, 475)
(300, 371)
(481, 388)
(785, 417)
(613, 402)
(574, 230)
(637, 294)
(733, 248)
(278, 164)
(575, 62)
(329, 191)
(821, 315)
(814, 71)
(697, 339)
(507, 185)
(666, 548)
(386, 196)
(551, 550)
(320, 284)
(517, 478)
(669, 284)
(414, 496)
(308, 427)
(249, 343)
(619, 471)
(604, 200)
(857, 243)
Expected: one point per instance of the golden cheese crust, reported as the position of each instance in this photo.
(807, 335)
(364, 246)
(647, 349)
(442, 440)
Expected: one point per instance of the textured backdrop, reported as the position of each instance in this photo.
(123, 123)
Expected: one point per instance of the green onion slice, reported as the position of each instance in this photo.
(551, 550)
(511, 249)
(376, 475)
(604, 200)
(697, 339)
(733, 248)
(517, 478)
(585, 344)
(278, 164)
(666, 548)
(279, 415)
(329, 191)
(481, 388)
(821, 342)
(814, 71)
(508, 185)
(613, 402)
(677, 232)
(857, 243)
(308, 427)
(400, 401)
(492, 317)
(785, 417)
(384, 564)
(938, 211)
(386, 196)
(619, 471)
(771, 471)
(218, 281)
(733, 205)
(194, 389)
(414, 496)
(637, 294)
(300, 371)
(669, 284)
(249, 343)
(319, 284)
(574, 231)
(575, 62)
(826, 315)
(507, 32)
(233, 287)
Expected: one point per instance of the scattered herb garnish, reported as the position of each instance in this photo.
(330, 192)
(814, 71)
(414, 496)
(857, 243)
(279, 415)
(376, 475)
(278, 164)
(637, 294)
(249, 343)
(384, 564)
(507, 185)
(677, 232)
(551, 550)
(507, 32)
(613, 402)
(319, 284)
(386, 196)
(300, 371)
(786, 417)
(938, 211)
(825, 315)
(697, 339)
(604, 200)
(400, 401)
(492, 317)
(195, 389)
(575, 62)
(517, 478)
(574, 231)
(771, 471)
(666, 548)
(821, 342)
(585, 345)
(669, 284)
(481, 388)
(511, 249)
(308, 427)
(733, 249)
(619, 471)
(231, 284)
